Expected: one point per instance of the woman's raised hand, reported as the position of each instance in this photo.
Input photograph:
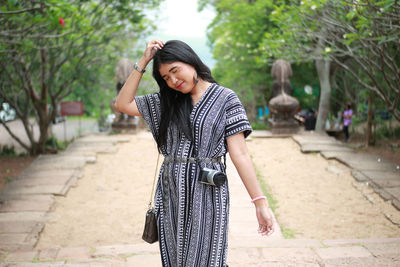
(151, 49)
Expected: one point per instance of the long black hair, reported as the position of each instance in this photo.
(176, 106)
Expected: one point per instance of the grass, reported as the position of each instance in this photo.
(287, 233)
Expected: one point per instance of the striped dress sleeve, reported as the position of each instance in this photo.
(149, 107)
(236, 118)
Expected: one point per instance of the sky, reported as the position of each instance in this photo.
(179, 19)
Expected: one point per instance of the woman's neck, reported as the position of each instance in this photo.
(198, 91)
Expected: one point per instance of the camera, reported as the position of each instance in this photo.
(212, 177)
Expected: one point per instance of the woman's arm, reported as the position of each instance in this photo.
(126, 98)
(241, 159)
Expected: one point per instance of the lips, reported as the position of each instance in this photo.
(180, 85)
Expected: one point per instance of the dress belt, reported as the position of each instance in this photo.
(169, 159)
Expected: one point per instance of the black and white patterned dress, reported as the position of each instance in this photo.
(192, 216)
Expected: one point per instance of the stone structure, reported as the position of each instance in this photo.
(123, 122)
(283, 107)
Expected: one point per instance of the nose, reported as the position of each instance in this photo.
(174, 79)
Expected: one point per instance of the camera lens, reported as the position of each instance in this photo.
(219, 178)
(212, 177)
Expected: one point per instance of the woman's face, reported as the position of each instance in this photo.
(178, 76)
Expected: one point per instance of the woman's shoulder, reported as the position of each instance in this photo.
(224, 90)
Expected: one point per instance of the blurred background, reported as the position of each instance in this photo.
(67, 51)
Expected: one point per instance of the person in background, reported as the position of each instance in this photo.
(347, 117)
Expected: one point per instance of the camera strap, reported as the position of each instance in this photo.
(154, 183)
(207, 160)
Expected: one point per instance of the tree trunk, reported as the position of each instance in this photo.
(323, 69)
(369, 140)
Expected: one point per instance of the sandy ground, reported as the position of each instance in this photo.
(316, 197)
(108, 206)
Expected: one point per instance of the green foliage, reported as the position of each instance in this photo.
(8, 151)
(53, 144)
(237, 36)
(259, 126)
(59, 50)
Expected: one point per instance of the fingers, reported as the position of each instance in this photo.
(266, 229)
(155, 43)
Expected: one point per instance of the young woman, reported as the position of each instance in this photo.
(195, 122)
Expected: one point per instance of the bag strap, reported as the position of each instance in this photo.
(154, 182)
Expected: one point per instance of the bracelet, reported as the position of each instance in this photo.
(139, 69)
(257, 198)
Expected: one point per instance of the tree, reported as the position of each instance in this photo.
(243, 63)
(361, 33)
(48, 48)
(370, 37)
(234, 36)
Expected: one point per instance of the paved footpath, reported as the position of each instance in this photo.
(26, 202)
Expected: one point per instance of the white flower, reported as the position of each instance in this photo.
(250, 32)
(344, 36)
(313, 7)
(328, 49)
(248, 45)
(282, 40)
(273, 12)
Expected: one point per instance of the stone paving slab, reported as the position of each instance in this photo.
(101, 263)
(144, 260)
(11, 242)
(385, 175)
(365, 241)
(386, 183)
(381, 252)
(49, 254)
(276, 243)
(91, 143)
(290, 255)
(26, 197)
(359, 262)
(359, 176)
(343, 252)
(23, 216)
(395, 192)
(15, 227)
(120, 250)
(22, 256)
(62, 157)
(361, 162)
(96, 149)
(38, 181)
(25, 205)
(59, 190)
(106, 138)
(313, 137)
(323, 147)
(391, 250)
(78, 253)
(50, 173)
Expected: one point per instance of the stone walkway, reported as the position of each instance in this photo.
(383, 176)
(26, 204)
